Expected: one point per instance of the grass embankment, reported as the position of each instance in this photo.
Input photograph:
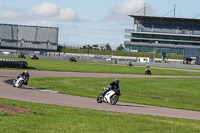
(122, 53)
(51, 118)
(59, 65)
(174, 93)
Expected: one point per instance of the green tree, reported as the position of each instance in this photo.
(120, 47)
(108, 47)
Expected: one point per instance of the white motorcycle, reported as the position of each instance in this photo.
(110, 97)
(19, 82)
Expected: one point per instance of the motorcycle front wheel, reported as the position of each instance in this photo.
(100, 98)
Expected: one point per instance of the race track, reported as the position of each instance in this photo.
(31, 95)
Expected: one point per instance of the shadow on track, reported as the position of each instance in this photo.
(10, 82)
(4, 76)
(131, 106)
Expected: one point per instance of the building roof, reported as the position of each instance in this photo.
(165, 20)
(28, 26)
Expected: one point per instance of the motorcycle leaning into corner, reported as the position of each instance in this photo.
(110, 96)
(19, 81)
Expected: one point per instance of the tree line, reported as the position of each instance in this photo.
(103, 47)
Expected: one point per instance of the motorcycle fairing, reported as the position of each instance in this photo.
(108, 95)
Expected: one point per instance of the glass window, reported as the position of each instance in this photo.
(147, 36)
(177, 38)
(196, 38)
(167, 37)
(157, 36)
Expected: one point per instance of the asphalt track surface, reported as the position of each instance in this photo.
(34, 95)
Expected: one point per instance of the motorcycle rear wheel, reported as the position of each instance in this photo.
(114, 99)
(20, 84)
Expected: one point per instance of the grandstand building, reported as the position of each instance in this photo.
(163, 34)
(24, 37)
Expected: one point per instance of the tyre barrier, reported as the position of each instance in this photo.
(13, 64)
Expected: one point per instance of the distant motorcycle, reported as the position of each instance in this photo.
(34, 58)
(19, 82)
(129, 63)
(72, 59)
(21, 56)
(110, 97)
(147, 71)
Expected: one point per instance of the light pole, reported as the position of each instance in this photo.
(48, 46)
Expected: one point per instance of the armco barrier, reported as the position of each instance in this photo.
(13, 64)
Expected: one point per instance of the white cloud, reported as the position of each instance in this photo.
(67, 14)
(129, 6)
(11, 14)
(45, 9)
(43, 12)
(119, 13)
(54, 12)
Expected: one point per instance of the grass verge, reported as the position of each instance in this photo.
(182, 93)
(58, 65)
(51, 118)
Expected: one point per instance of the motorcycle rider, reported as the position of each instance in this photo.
(35, 57)
(147, 69)
(129, 63)
(114, 85)
(21, 55)
(26, 76)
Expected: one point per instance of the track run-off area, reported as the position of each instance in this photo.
(33, 95)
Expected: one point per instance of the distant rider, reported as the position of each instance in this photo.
(72, 59)
(34, 56)
(114, 85)
(147, 70)
(148, 67)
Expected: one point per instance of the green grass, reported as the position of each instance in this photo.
(174, 93)
(122, 53)
(100, 68)
(59, 65)
(53, 119)
(180, 93)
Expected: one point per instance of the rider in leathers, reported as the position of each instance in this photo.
(25, 74)
(113, 86)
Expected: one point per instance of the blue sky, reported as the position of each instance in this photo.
(83, 22)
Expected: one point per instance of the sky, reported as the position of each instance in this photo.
(83, 22)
